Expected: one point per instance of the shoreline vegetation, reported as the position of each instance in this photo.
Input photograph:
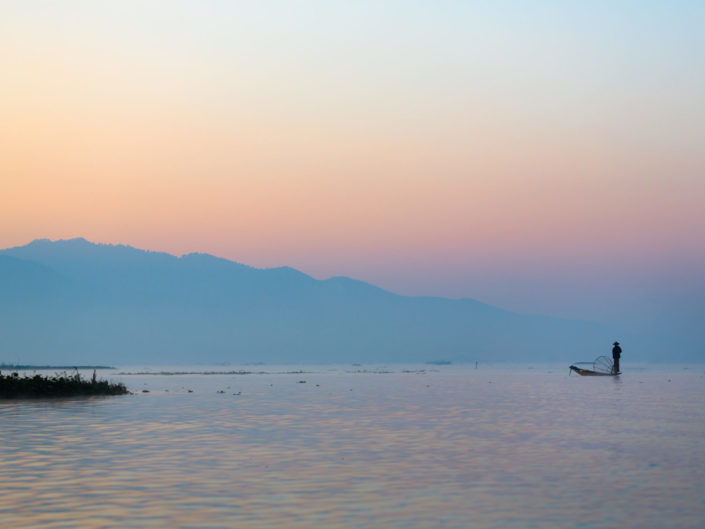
(30, 367)
(13, 386)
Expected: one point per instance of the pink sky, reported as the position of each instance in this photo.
(526, 157)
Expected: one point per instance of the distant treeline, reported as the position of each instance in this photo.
(28, 367)
(60, 385)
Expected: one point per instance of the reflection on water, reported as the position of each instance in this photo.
(451, 448)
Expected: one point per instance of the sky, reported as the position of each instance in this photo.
(546, 156)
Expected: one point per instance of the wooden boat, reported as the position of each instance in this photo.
(601, 367)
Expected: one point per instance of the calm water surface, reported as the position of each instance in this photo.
(416, 447)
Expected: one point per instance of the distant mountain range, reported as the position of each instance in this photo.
(73, 301)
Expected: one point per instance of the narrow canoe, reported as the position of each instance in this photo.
(591, 373)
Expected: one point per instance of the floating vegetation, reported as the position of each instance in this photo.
(175, 373)
(370, 371)
(60, 385)
(241, 372)
(373, 371)
(29, 367)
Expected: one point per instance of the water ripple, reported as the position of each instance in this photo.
(457, 448)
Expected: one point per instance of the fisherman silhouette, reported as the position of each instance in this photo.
(616, 354)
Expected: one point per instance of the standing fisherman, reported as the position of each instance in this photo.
(616, 355)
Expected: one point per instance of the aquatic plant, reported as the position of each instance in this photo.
(59, 385)
(35, 367)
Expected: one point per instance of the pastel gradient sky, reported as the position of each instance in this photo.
(544, 156)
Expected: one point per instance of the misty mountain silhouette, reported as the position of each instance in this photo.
(76, 301)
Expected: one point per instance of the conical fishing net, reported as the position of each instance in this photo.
(603, 364)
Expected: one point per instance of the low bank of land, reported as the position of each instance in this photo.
(59, 385)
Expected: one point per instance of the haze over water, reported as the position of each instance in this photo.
(544, 158)
(368, 446)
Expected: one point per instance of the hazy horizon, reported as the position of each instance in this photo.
(73, 299)
(545, 158)
(360, 199)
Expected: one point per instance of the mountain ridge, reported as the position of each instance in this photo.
(94, 302)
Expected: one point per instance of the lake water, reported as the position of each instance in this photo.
(398, 447)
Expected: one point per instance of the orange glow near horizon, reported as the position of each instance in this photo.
(339, 147)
